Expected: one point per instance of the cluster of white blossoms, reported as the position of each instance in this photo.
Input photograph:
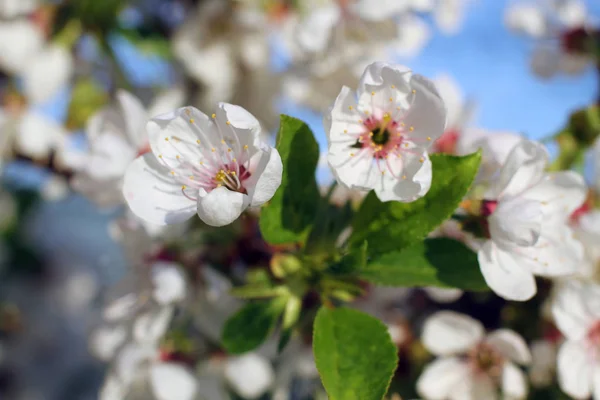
(560, 28)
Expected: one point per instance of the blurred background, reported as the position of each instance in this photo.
(67, 240)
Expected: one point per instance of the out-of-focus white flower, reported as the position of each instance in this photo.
(116, 136)
(55, 188)
(443, 295)
(215, 167)
(543, 363)
(143, 313)
(379, 139)
(449, 15)
(14, 8)
(20, 40)
(528, 211)
(576, 311)
(250, 375)
(471, 365)
(560, 28)
(46, 73)
(587, 231)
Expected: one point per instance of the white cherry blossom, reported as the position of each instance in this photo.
(559, 27)
(379, 136)
(471, 365)
(47, 72)
(20, 40)
(576, 311)
(213, 166)
(528, 211)
(116, 136)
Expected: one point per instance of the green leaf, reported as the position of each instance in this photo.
(393, 225)
(354, 354)
(438, 262)
(291, 212)
(250, 326)
(86, 99)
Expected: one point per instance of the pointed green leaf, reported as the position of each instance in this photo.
(438, 262)
(250, 326)
(291, 212)
(354, 354)
(393, 225)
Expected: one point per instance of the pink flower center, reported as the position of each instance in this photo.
(593, 335)
(577, 41)
(488, 207)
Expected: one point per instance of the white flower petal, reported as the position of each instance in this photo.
(37, 135)
(135, 117)
(315, 30)
(575, 369)
(449, 15)
(504, 274)
(46, 73)
(514, 382)
(150, 327)
(169, 283)
(129, 364)
(222, 206)
(112, 389)
(561, 193)
(166, 101)
(121, 308)
(511, 345)
(440, 378)
(170, 381)
(570, 309)
(383, 74)
(427, 111)
(443, 295)
(250, 375)
(105, 341)
(415, 179)
(266, 177)
(379, 10)
(523, 169)
(448, 332)
(153, 196)
(516, 221)
(20, 41)
(526, 19)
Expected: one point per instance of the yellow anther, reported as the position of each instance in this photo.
(201, 162)
(191, 120)
(412, 128)
(166, 139)
(402, 124)
(351, 154)
(177, 156)
(229, 150)
(245, 147)
(172, 172)
(345, 130)
(391, 99)
(406, 144)
(232, 173)
(393, 86)
(372, 93)
(234, 160)
(350, 107)
(228, 122)
(414, 91)
(360, 121)
(428, 138)
(214, 115)
(222, 141)
(403, 176)
(213, 149)
(387, 117)
(398, 108)
(183, 187)
(160, 156)
(421, 159)
(370, 134)
(192, 177)
(382, 172)
(198, 141)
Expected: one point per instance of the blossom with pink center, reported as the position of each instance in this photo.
(528, 212)
(378, 139)
(213, 166)
(576, 311)
(470, 364)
